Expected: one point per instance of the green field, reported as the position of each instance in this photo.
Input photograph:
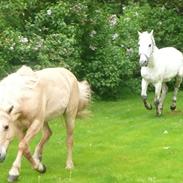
(119, 142)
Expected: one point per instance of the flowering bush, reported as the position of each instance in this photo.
(85, 36)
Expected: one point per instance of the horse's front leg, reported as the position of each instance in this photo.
(39, 148)
(23, 149)
(144, 86)
(174, 99)
(158, 87)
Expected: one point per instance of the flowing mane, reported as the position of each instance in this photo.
(13, 86)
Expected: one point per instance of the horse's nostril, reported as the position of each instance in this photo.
(6, 127)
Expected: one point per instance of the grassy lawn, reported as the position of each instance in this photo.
(120, 142)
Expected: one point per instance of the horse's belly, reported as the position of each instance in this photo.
(169, 76)
(57, 104)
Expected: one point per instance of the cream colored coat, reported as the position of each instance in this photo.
(28, 100)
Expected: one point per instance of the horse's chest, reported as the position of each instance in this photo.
(23, 123)
(150, 75)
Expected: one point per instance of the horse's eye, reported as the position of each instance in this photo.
(6, 127)
(149, 45)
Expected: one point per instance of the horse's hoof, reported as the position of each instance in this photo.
(69, 166)
(158, 114)
(43, 169)
(172, 108)
(12, 178)
(148, 107)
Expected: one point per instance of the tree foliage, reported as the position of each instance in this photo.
(97, 40)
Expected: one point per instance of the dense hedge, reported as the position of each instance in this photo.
(87, 37)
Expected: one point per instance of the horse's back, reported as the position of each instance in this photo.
(169, 55)
(168, 63)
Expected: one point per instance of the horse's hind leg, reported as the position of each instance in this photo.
(174, 99)
(163, 95)
(39, 148)
(70, 123)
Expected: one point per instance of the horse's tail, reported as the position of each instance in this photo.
(84, 98)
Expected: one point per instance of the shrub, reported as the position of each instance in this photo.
(85, 36)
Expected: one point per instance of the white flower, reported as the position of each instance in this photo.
(127, 19)
(136, 13)
(113, 20)
(115, 36)
(39, 45)
(23, 40)
(129, 50)
(165, 132)
(49, 12)
(163, 8)
(166, 147)
(92, 47)
(92, 33)
(152, 179)
(12, 46)
(97, 11)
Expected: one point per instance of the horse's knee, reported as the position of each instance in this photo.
(166, 89)
(48, 134)
(144, 97)
(22, 145)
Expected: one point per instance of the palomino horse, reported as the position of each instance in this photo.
(157, 67)
(28, 100)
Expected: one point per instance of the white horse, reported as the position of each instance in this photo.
(28, 100)
(157, 67)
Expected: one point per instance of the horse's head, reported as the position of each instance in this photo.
(146, 44)
(6, 131)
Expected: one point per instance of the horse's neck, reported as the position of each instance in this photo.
(152, 58)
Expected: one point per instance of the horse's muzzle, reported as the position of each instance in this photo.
(143, 60)
(2, 154)
(143, 63)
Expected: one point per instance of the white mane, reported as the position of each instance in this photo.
(14, 85)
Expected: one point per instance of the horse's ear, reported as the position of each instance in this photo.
(151, 33)
(139, 33)
(10, 109)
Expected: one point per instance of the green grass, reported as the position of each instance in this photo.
(120, 142)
